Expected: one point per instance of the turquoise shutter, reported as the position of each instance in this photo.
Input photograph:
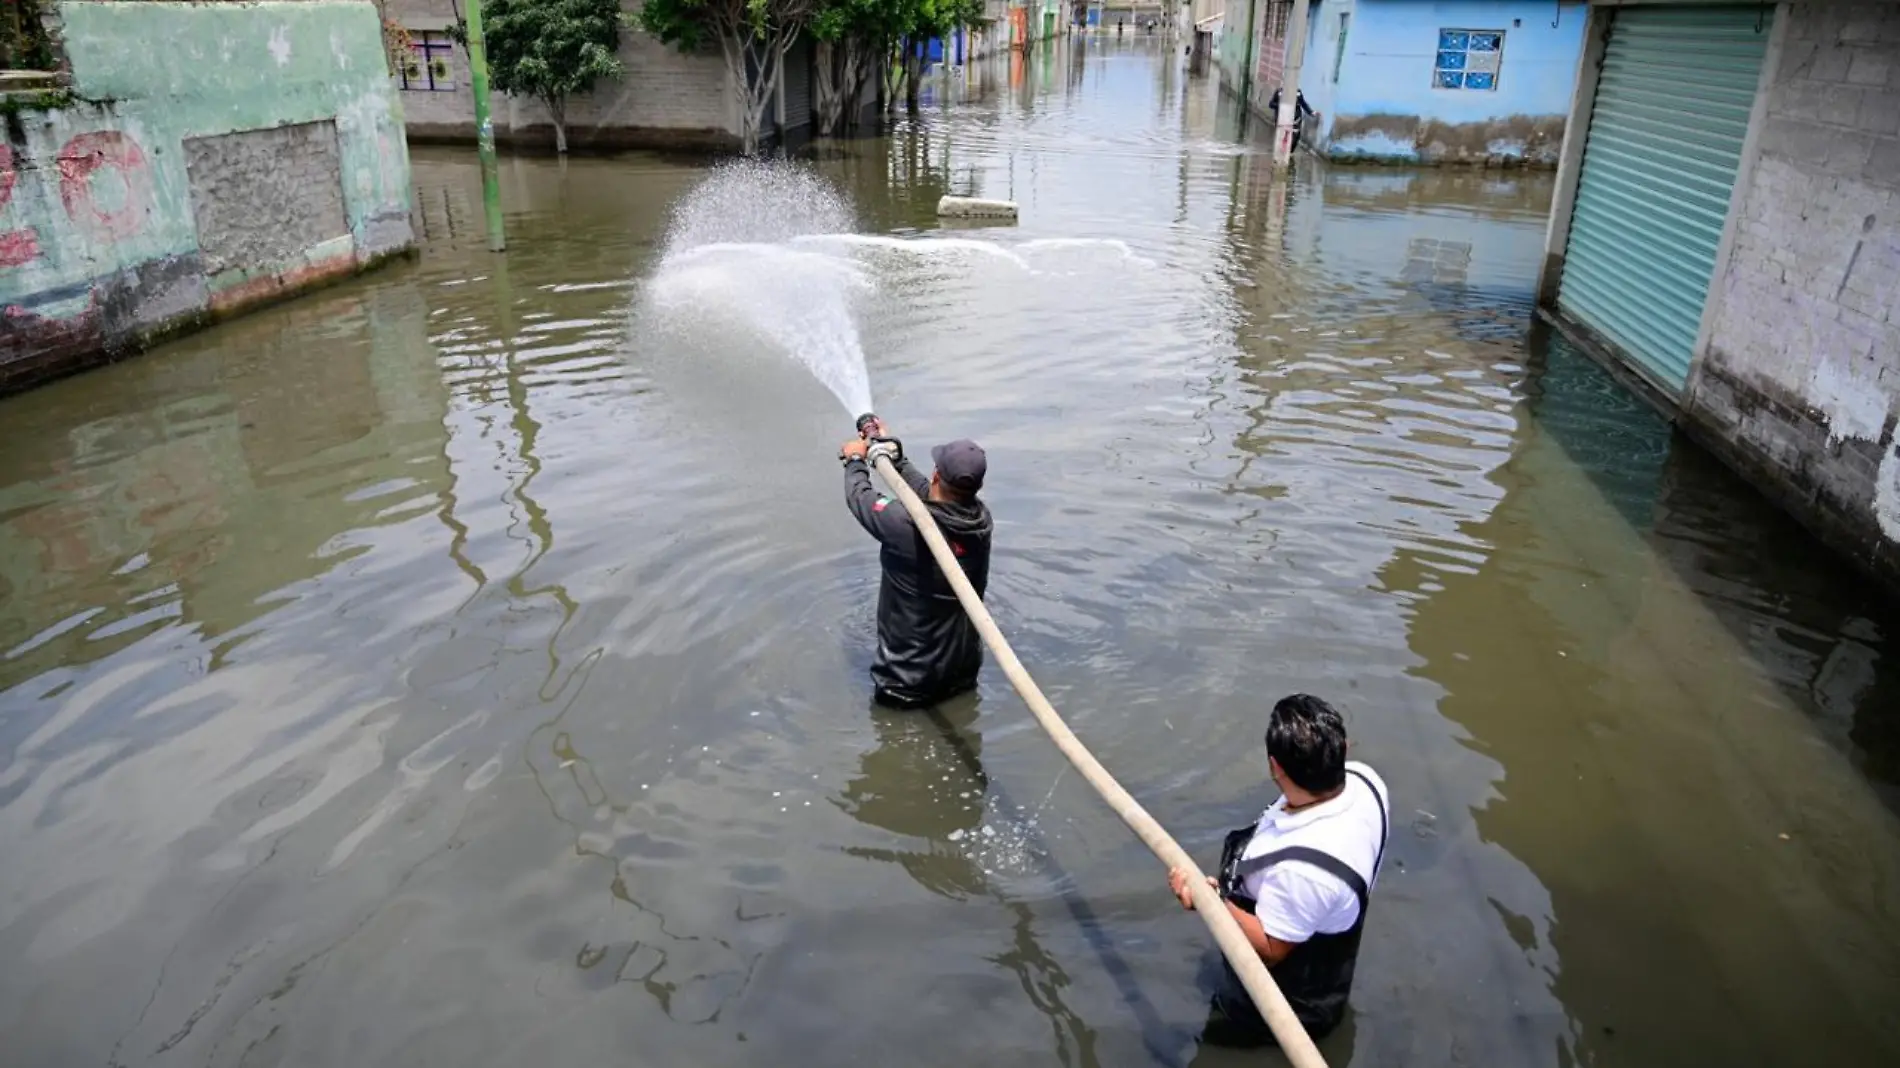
(1660, 161)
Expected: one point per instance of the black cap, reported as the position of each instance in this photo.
(961, 464)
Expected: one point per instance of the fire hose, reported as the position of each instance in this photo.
(1287, 1029)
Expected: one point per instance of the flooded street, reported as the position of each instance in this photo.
(466, 665)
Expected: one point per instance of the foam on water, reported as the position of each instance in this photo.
(920, 246)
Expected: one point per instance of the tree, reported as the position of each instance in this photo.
(921, 20)
(851, 35)
(549, 49)
(752, 35)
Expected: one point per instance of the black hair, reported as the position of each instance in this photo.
(1308, 738)
(952, 492)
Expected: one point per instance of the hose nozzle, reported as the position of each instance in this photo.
(866, 423)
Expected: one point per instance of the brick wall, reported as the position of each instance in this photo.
(1270, 60)
(664, 99)
(263, 196)
(1798, 382)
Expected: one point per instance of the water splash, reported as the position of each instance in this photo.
(769, 247)
(730, 253)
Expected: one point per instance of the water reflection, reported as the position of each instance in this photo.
(1578, 657)
(925, 780)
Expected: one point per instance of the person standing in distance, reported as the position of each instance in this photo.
(1301, 112)
(1299, 881)
(927, 648)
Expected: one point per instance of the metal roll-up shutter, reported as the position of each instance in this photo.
(798, 60)
(1659, 164)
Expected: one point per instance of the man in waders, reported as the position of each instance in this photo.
(1298, 882)
(927, 648)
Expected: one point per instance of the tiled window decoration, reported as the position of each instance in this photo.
(1468, 59)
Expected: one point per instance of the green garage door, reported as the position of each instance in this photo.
(1660, 161)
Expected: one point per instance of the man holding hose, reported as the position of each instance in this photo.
(927, 648)
(1299, 881)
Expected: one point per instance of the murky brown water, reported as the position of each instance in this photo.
(437, 670)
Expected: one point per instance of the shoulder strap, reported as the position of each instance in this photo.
(1325, 862)
(1378, 861)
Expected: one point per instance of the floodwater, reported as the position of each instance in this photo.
(450, 668)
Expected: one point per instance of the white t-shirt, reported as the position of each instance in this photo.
(1297, 900)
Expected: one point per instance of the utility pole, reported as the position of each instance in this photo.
(484, 128)
(1290, 85)
(1253, 31)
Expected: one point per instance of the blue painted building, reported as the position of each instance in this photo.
(1431, 81)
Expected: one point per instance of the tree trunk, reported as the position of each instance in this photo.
(854, 78)
(557, 107)
(759, 94)
(913, 74)
(830, 63)
(735, 52)
(896, 72)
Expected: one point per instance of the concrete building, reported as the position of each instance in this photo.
(1472, 81)
(1725, 234)
(665, 98)
(1404, 81)
(1131, 16)
(198, 159)
(1250, 48)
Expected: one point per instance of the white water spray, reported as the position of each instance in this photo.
(730, 253)
(769, 247)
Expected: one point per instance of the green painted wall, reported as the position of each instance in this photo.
(96, 212)
(226, 67)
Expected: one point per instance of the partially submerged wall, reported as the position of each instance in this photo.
(1799, 382)
(207, 158)
(665, 99)
(1393, 88)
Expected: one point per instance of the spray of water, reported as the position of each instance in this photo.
(768, 247)
(733, 252)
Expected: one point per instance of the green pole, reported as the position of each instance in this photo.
(484, 127)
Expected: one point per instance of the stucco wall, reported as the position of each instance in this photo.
(1798, 384)
(664, 99)
(100, 246)
(1384, 105)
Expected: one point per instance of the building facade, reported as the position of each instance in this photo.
(664, 98)
(260, 152)
(1472, 81)
(1726, 235)
(1405, 81)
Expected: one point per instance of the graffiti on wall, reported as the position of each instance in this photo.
(105, 186)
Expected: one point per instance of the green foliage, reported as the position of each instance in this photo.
(14, 104)
(939, 18)
(691, 25)
(548, 48)
(24, 44)
(684, 24)
(875, 21)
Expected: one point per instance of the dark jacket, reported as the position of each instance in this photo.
(1301, 109)
(927, 648)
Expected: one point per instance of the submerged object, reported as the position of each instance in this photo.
(976, 208)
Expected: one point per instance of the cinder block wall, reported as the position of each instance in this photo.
(1798, 382)
(665, 99)
(209, 157)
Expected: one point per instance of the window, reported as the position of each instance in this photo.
(1339, 49)
(1468, 59)
(426, 70)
